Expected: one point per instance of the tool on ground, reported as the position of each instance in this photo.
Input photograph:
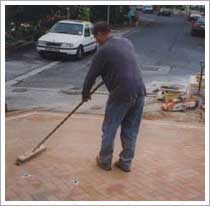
(180, 104)
(40, 147)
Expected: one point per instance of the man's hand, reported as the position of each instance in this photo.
(86, 97)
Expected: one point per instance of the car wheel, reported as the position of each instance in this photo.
(42, 55)
(80, 53)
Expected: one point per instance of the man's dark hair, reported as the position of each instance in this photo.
(102, 27)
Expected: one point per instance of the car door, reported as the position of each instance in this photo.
(93, 42)
(89, 40)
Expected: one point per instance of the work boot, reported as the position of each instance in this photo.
(103, 166)
(124, 168)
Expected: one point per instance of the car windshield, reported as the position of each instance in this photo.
(67, 28)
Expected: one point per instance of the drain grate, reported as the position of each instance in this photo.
(19, 90)
(156, 69)
(150, 68)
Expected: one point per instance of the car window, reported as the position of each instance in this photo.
(201, 20)
(91, 28)
(67, 28)
(87, 30)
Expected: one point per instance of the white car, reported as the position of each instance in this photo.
(147, 9)
(139, 7)
(68, 37)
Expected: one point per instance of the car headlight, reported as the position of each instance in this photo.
(41, 43)
(67, 45)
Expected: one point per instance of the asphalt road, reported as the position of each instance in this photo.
(165, 51)
(168, 43)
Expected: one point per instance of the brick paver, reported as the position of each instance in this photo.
(169, 161)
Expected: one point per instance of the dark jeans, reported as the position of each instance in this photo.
(128, 115)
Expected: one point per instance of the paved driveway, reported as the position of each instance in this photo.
(169, 164)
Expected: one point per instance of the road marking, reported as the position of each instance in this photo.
(31, 73)
(18, 89)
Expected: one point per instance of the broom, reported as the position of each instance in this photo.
(40, 147)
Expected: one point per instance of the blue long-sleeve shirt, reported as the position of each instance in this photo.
(115, 62)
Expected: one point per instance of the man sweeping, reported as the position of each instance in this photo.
(115, 62)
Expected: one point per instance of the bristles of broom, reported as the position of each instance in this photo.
(23, 158)
(40, 148)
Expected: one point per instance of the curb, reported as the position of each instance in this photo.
(9, 50)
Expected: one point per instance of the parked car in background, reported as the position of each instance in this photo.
(147, 9)
(139, 7)
(67, 37)
(198, 27)
(165, 12)
(193, 16)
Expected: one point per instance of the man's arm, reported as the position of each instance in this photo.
(95, 70)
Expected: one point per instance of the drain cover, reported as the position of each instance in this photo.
(72, 90)
(19, 90)
(150, 68)
(76, 88)
(156, 69)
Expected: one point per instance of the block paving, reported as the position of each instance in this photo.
(168, 166)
